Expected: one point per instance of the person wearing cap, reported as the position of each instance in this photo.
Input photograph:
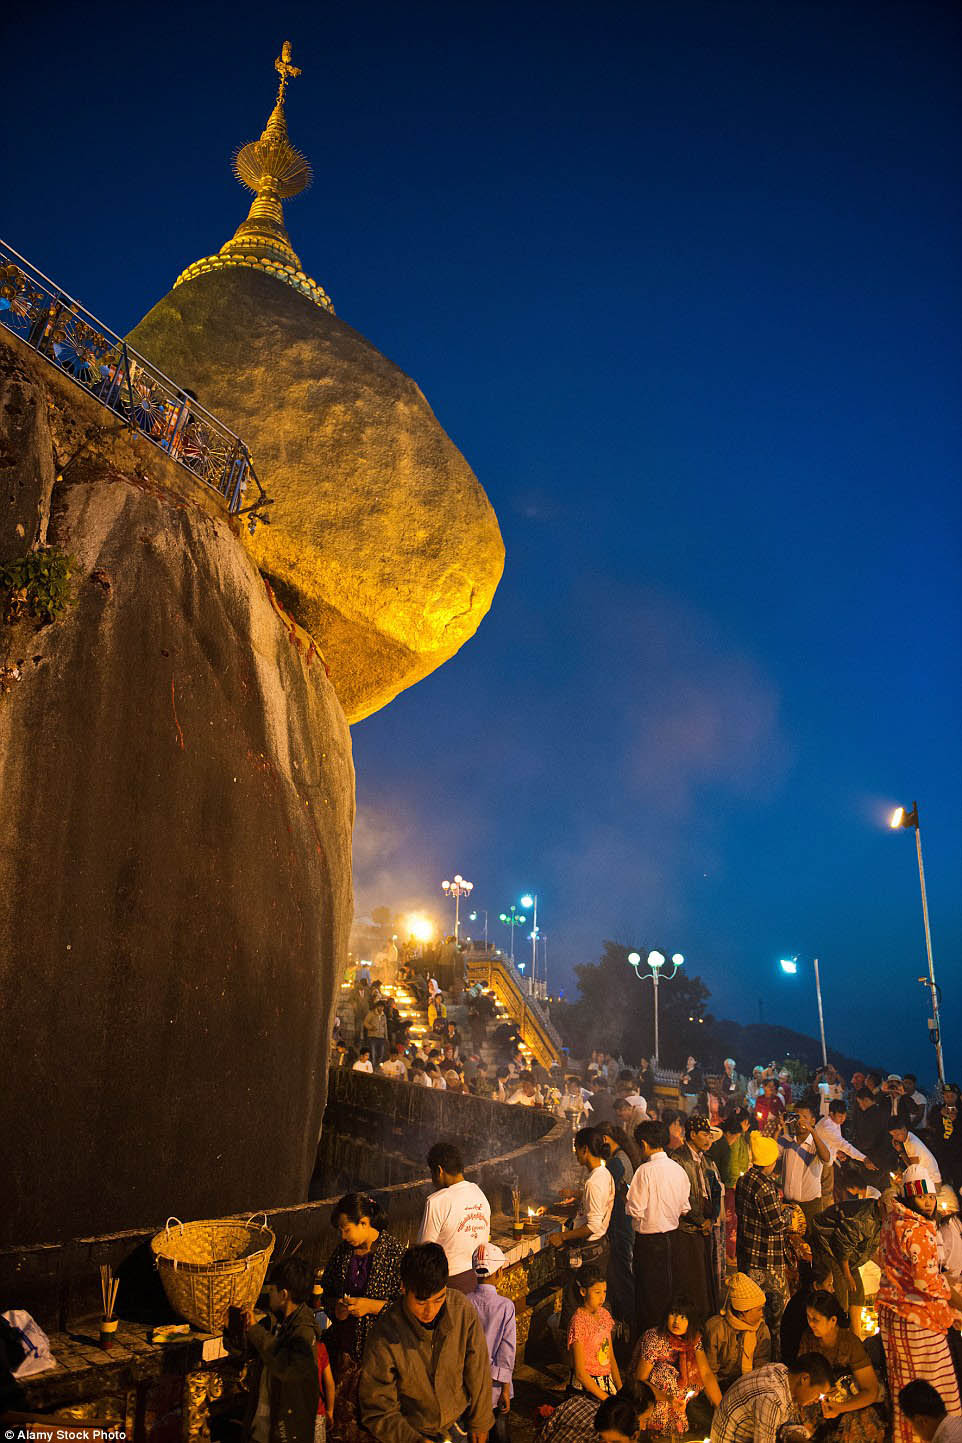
(893, 1100)
(944, 1132)
(737, 1339)
(763, 1227)
(692, 1257)
(916, 1304)
(498, 1323)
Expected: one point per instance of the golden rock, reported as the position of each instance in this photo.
(382, 542)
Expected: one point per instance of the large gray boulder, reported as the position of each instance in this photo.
(175, 833)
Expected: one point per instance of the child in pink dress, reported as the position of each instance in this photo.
(594, 1368)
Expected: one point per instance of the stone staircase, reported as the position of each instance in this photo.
(415, 1014)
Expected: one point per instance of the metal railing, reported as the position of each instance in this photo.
(61, 330)
(530, 1006)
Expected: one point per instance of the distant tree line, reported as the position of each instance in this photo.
(614, 1011)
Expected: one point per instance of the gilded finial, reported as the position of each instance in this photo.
(274, 170)
(285, 70)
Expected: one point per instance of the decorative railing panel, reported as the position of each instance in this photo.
(62, 331)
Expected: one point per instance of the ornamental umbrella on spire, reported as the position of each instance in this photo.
(275, 171)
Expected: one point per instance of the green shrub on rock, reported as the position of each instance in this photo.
(37, 584)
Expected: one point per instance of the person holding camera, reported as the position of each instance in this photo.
(804, 1154)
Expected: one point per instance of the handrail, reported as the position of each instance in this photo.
(70, 338)
(530, 1009)
(521, 982)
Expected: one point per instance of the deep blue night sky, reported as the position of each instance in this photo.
(682, 281)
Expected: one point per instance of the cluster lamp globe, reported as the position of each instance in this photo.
(457, 889)
(511, 919)
(655, 961)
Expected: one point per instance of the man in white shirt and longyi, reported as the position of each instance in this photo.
(659, 1195)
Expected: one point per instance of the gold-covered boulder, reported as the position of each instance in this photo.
(382, 542)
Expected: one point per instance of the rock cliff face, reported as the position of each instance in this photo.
(175, 833)
(381, 537)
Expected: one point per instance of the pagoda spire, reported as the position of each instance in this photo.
(275, 171)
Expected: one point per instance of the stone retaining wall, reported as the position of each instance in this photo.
(366, 1116)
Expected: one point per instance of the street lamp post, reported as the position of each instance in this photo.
(457, 889)
(512, 919)
(528, 901)
(901, 818)
(790, 965)
(473, 916)
(655, 961)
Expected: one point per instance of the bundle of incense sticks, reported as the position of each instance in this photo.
(108, 1289)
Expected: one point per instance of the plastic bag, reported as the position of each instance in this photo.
(33, 1340)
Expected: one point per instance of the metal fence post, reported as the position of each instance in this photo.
(130, 390)
(228, 477)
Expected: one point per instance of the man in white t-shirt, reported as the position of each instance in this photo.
(364, 1063)
(909, 1149)
(528, 1093)
(457, 1215)
(394, 1064)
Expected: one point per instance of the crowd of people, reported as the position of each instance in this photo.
(371, 1035)
(714, 1263)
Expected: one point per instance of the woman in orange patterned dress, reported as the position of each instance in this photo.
(916, 1306)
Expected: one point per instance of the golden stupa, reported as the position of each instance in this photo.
(382, 542)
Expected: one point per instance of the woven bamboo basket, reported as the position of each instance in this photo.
(208, 1267)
